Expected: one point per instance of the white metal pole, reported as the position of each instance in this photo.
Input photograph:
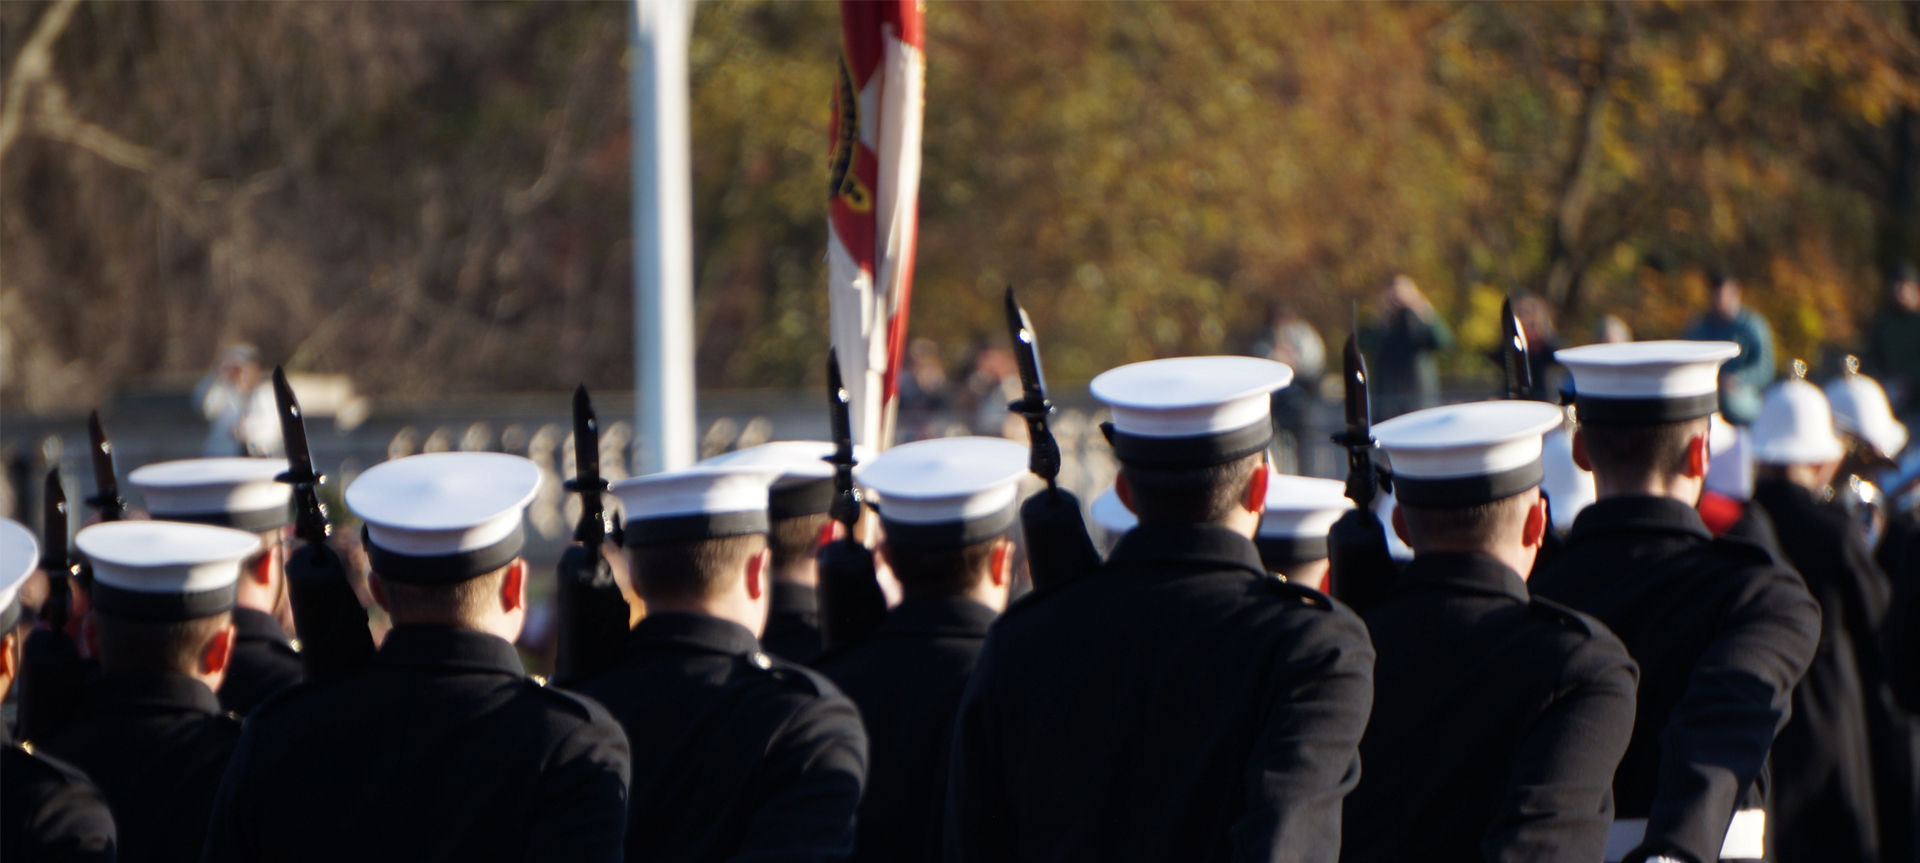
(662, 237)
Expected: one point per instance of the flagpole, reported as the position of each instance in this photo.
(662, 236)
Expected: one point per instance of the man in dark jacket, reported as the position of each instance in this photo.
(1180, 703)
(737, 754)
(946, 505)
(1498, 717)
(1722, 633)
(440, 748)
(151, 734)
(49, 810)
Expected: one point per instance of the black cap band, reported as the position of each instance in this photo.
(443, 568)
(1609, 411)
(1466, 490)
(140, 605)
(1282, 551)
(1188, 453)
(812, 497)
(253, 520)
(694, 527)
(947, 534)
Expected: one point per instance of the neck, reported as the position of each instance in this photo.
(1685, 489)
(734, 606)
(1517, 557)
(805, 573)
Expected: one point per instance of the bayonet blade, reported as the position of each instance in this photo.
(1513, 353)
(53, 523)
(592, 529)
(846, 499)
(293, 430)
(107, 499)
(1044, 453)
(1358, 438)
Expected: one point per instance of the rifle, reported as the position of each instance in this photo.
(54, 560)
(107, 496)
(54, 677)
(594, 615)
(851, 604)
(328, 616)
(1359, 566)
(1054, 532)
(1513, 354)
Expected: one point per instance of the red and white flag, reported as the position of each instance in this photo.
(873, 211)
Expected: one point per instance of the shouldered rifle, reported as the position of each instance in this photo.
(1513, 354)
(54, 560)
(106, 499)
(1054, 532)
(851, 604)
(1359, 566)
(54, 677)
(328, 616)
(593, 613)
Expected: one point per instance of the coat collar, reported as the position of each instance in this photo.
(791, 598)
(1639, 513)
(1188, 544)
(449, 647)
(257, 625)
(151, 692)
(1469, 572)
(938, 617)
(1783, 494)
(698, 631)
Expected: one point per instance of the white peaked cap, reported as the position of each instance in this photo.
(805, 482)
(1795, 426)
(1860, 407)
(1722, 436)
(19, 557)
(1644, 383)
(701, 502)
(1190, 412)
(1300, 512)
(1729, 460)
(1569, 487)
(441, 518)
(1466, 454)
(1112, 514)
(233, 492)
(165, 570)
(947, 491)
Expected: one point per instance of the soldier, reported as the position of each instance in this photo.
(151, 733)
(1292, 538)
(797, 514)
(736, 753)
(946, 506)
(1722, 633)
(240, 493)
(49, 810)
(1179, 703)
(1844, 763)
(1499, 717)
(441, 747)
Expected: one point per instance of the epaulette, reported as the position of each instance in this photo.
(1741, 550)
(1299, 593)
(1561, 615)
(800, 676)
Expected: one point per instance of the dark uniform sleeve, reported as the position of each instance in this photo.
(228, 838)
(815, 769)
(51, 813)
(1558, 802)
(583, 800)
(1307, 755)
(1739, 696)
(979, 822)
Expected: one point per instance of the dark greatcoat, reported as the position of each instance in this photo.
(1178, 703)
(155, 745)
(264, 662)
(49, 811)
(1722, 634)
(1498, 720)
(440, 749)
(907, 679)
(1818, 764)
(793, 623)
(737, 755)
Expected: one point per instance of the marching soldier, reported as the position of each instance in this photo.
(49, 810)
(1843, 764)
(947, 506)
(151, 733)
(240, 493)
(441, 747)
(1179, 702)
(737, 754)
(1499, 717)
(1292, 538)
(1722, 633)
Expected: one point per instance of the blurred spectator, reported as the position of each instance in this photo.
(1297, 410)
(992, 381)
(1400, 348)
(1744, 377)
(1893, 340)
(1613, 330)
(923, 390)
(238, 401)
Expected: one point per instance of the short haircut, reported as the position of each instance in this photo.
(949, 571)
(1191, 496)
(1638, 453)
(129, 644)
(795, 539)
(1451, 526)
(462, 603)
(691, 570)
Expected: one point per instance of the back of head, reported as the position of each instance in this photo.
(462, 603)
(1471, 527)
(1204, 495)
(135, 645)
(692, 570)
(795, 540)
(941, 570)
(1637, 454)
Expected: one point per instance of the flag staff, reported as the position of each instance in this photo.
(662, 236)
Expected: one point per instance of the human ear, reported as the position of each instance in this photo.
(513, 588)
(1400, 525)
(1697, 457)
(1534, 532)
(756, 575)
(1256, 500)
(1001, 566)
(219, 652)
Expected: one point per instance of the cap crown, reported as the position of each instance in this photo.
(798, 461)
(1656, 369)
(1472, 439)
(1302, 506)
(1860, 407)
(699, 490)
(444, 503)
(1190, 396)
(165, 557)
(19, 557)
(946, 479)
(1795, 426)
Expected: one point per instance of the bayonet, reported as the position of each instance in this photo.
(851, 603)
(310, 514)
(54, 560)
(592, 529)
(1513, 354)
(1058, 548)
(326, 612)
(106, 499)
(594, 616)
(1032, 405)
(846, 498)
(1362, 479)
